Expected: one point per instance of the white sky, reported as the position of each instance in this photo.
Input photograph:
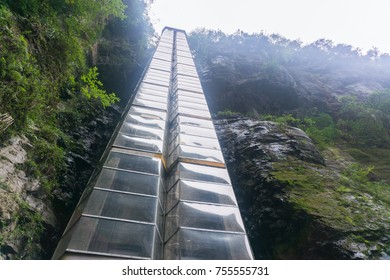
(360, 23)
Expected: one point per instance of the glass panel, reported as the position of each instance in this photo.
(162, 57)
(184, 66)
(153, 92)
(156, 80)
(163, 52)
(200, 142)
(200, 192)
(147, 87)
(148, 113)
(196, 155)
(184, 60)
(204, 216)
(191, 94)
(183, 53)
(197, 172)
(150, 104)
(195, 98)
(165, 46)
(142, 131)
(160, 65)
(182, 44)
(185, 70)
(192, 244)
(113, 237)
(183, 120)
(187, 79)
(145, 121)
(122, 206)
(157, 64)
(191, 130)
(149, 145)
(195, 106)
(154, 98)
(186, 87)
(190, 112)
(128, 182)
(167, 38)
(194, 141)
(133, 162)
(187, 83)
(158, 73)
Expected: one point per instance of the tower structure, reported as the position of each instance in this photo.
(162, 190)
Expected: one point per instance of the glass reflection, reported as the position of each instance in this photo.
(145, 121)
(122, 206)
(131, 162)
(192, 130)
(200, 192)
(192, 245)
(197, 172)
(129, 142)
(194, 141)
(128, 182)
(150, 104)
(112, 237)
(142, 131)
(147, 113)
(203, 216)
(198, 155)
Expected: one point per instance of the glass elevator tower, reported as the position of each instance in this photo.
(162, 190)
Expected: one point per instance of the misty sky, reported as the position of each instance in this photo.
(360, 23)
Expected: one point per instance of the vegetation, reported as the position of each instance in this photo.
(51, 54)
(347, 201)
(92, 88)
(44, 75)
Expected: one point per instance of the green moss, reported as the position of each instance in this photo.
(345, 204)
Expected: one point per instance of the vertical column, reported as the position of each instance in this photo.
(202, 217)
(121, 213)
(163, 190)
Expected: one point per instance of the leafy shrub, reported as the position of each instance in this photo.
(93, 88)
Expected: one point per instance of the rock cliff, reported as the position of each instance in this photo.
(296, 202)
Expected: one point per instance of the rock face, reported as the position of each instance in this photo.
(25, 211)
(292, 198)
(31, 220)
(249, 85)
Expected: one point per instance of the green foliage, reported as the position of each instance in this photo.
(357, 173)
(357, 176)
(322, 129)
(93, 88)
(46, 162)
(365, 123)
(287, 119)
(227, 113)
(22, 86)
